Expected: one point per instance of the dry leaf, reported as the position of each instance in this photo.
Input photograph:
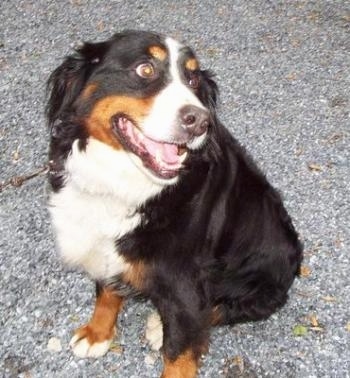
(116, 348)
(74, 318)
(334, 138)
(315, 324)
(305, 271)
(317, 329)
(314, 167)
(347, 327)
(305, 294)
(329, 298)
(339, 242)
(100, 26)
(346, 17)
(295, 42)
(299, 151)
(299, 330)
(314, 321)
(212, 52)
(292, 76)
(239, 362)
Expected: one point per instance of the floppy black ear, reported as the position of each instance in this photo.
(66, 81)
(209, 91)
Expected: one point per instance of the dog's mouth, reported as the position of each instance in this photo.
(162, 158)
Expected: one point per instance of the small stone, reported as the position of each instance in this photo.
(37, 313)
(54, 344)
(150, 359)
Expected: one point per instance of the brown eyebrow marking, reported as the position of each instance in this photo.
(192, 64)
(158, 52)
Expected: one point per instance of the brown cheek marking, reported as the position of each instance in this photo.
(185, 366)
(101, 326)
(158, 52)
(88, 91)
(192, 64)
(98, 123)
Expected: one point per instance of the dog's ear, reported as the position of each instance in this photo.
(66, 81)
(209, 91)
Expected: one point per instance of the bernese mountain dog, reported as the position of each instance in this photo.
(151, 195)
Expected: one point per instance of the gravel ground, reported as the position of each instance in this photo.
(283, 70)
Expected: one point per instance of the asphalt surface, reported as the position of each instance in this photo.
(283, 68)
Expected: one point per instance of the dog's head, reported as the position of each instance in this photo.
(139, 92)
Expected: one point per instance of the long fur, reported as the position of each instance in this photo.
(217, 244)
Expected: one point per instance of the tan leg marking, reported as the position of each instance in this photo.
(185, 366)
(135, 275)
(94, 339)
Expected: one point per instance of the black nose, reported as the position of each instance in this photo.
(194, 119)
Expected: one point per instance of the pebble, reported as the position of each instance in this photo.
(151, 358)
(54, 344)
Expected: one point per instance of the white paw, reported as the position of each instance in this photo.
(82, 348)
(154, 331)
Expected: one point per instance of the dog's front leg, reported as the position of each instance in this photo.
(186, 323)
(184, 365)
(95, 338)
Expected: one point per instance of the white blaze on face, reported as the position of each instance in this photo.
(163, 120)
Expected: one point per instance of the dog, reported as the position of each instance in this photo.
(151, 195)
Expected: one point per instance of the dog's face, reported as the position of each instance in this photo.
(138, 92)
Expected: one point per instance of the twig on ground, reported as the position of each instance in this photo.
(17, 181)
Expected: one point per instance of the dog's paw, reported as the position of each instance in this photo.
(154, 331)
(88, 343)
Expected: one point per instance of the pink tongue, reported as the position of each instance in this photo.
(167, 152)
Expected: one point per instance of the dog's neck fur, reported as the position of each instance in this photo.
(101, 170)
(97, 205)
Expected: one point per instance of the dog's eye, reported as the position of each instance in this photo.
(194, 80)
(145, 70)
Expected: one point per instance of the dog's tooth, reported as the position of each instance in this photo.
(159, 157)
(122, 123)
(183, 157)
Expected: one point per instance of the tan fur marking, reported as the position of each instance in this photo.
(192, 64)
(216, 316)
(135, 275)
(88, 91)
(158, 52)
(101, 326)
(185, 366)
(99, 124)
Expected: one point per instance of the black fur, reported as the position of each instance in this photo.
(219, 240)
(223, 239)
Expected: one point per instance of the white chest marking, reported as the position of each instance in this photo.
(97, 206)
(87, 228)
